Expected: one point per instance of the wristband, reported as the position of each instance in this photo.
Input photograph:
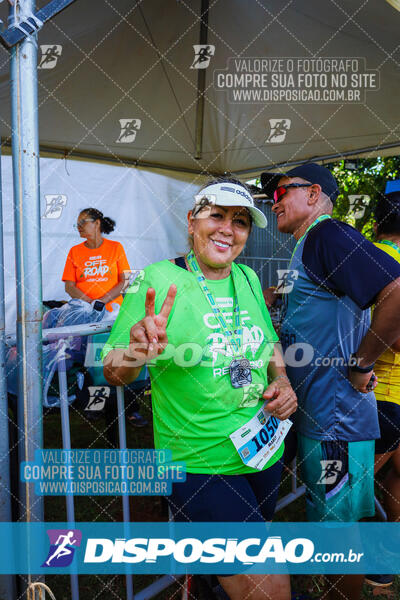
(353, 366)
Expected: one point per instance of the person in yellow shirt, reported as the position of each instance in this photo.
(387, 370)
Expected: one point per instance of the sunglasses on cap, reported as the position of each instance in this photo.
(282, 189)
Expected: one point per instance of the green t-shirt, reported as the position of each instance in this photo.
(195, 406)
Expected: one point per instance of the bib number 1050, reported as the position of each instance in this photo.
(266, 433)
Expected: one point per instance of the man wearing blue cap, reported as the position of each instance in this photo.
(331, 346)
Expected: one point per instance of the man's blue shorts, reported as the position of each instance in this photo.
(339, 478)
(227, 498)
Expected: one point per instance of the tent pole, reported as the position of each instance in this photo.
(7, 589)
(337, 155)
(25, 155)
(201, 81)
(122, 161)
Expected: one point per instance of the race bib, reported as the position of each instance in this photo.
(259, 439)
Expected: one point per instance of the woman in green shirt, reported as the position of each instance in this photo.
(219, 388)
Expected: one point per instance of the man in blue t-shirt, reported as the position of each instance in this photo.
(331, 346)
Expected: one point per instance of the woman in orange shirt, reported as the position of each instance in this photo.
(96, 270)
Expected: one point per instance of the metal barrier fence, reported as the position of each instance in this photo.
(62, 334)
(266, 268)
(267, 249)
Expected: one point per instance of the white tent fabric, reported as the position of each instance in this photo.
(132, 60)
(149, 209)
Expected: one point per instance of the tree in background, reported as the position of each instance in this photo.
(365, 177)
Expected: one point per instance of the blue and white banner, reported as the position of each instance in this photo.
(219, 548)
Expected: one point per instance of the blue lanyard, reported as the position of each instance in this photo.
(235, 343)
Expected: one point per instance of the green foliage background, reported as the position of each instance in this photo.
(369, 177)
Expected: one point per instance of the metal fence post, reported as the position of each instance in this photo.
(125, 498)
(25, 153)
(7, 582)
(66, 440)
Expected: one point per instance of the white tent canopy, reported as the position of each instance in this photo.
(122, 62)
(131, 60)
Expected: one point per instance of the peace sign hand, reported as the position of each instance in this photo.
(148, 337)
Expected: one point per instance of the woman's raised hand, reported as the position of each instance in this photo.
(148, 337)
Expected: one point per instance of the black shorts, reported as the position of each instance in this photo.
(389, 423)
(227, 498)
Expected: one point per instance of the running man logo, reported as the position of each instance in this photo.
(50, 56)
(129, 129)
(286, 279)
(330, 470)
(63, 543)
(202, 56)
(98, 397)
(278, 130)
(251, 397)
(357, 205)
(135, 280)
(129, 277)
(54, 205)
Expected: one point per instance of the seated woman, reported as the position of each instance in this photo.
(96, 270)
(201, 325)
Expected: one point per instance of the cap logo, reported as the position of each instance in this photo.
(225, 188)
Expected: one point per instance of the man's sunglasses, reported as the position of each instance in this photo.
(282, 189)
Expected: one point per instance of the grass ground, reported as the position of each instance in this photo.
(86, 434)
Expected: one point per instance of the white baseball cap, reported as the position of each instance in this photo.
(231, 194)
